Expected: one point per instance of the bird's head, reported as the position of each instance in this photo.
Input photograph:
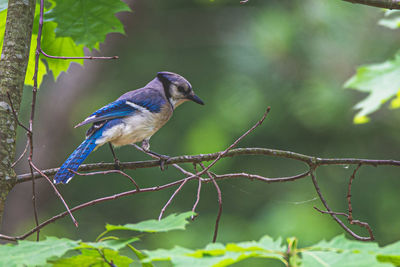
(177, 89)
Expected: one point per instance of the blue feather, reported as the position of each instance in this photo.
(76, 158)
(116, 109)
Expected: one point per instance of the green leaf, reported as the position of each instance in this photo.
(342, 252)
(172, 222)
(381, 81)
(391, 19)
(29, 253)
(114, 244)
(59, 46)
(3, 17)
(32, 53)
(31, 62)
(340, 244)
(218, 254)
(390, 253)
(344, 259)
(93, 258)
(87, 22)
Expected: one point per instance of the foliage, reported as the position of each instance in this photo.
(87, 22)
(381, 80)
(107, 250)
(69, 26)
(29, 253)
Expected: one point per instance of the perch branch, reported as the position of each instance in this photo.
(232, 153)
(389, 4)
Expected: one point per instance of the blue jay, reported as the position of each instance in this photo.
(133, 117)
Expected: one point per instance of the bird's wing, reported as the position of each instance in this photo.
(122, 108)
(116, 109)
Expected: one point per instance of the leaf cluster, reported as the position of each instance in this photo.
(381, 81)
(68, 27)
(108, 250)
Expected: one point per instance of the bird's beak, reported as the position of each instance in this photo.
(196, 99)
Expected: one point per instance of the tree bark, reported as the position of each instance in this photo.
(13, 64)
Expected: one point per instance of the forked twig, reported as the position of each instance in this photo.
(333, 214)
(107, 172)
(57, 193)
(219, 194)
(359, 223)
(171, 198)
(22, 155)
(197, 198)
(85, 57)
(15, 113)
(350, 217)
(221, 154)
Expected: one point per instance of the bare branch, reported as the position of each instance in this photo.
(22, 155)
(15, 113)
(57, 193)
(350, 218)
(66, 58)
(219, 194)
(333, 214)
(212, 156)
(389, 4)
(197, 198)
(107, 172)
(171, 198)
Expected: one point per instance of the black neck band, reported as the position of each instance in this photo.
(166, 83)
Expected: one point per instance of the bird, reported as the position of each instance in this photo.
(134, 117)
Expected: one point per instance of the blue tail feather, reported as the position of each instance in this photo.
(75, 160)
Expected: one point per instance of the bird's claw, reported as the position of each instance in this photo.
(163, 160)
(117, 164)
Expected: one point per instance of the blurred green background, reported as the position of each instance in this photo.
(291, 55)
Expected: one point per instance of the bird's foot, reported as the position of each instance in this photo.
(117, 164)
(163, 161)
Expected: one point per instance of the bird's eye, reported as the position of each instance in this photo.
(181, 89)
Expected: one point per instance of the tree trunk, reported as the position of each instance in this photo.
(13, 63)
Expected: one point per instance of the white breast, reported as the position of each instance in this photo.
(134, 128)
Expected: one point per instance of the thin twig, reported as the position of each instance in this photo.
(219, 194)
(107, 172)
(262, 178)
(182, 170)
(15, 113)
(57, 193)
(332, 212)
(359, 223)
(91, 203)
(350, 218)
(105, 259)
(66, 58)
(33, 105)
(113, 197)
(348, 230)
(171, 198)
(223, 153)
(22, 155)
(197, 198)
